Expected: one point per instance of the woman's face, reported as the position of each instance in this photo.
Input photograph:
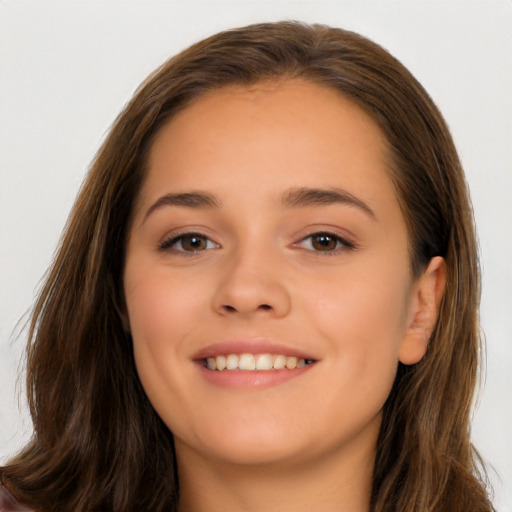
(268, 234)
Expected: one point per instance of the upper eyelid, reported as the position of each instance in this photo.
(173, 238)
(345, 241)
(187, 231)
(336, 232)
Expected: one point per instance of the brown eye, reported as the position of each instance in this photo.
(188, 243)
(193, 242)
(324, 242)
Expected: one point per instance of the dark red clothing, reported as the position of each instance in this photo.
(9, 504)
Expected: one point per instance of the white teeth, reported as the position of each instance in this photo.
(264, 362)
(220, 362)
(249, 362)
(246, 362)
(232, 362)
(279, 362)
(291, 363)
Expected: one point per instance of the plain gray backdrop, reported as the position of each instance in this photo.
(67, 68)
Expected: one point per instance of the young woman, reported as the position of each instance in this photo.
(266, 297)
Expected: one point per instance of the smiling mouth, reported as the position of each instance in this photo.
(251, 362)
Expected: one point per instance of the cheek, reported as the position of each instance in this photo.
(363, 316)
(160, 304)
(162, 314)
(367, 307)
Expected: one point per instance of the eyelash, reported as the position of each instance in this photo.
(342, 244)
(171, 242)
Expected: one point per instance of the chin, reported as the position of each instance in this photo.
(265, 444)
(257, 454)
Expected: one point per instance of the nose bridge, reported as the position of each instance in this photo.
(251, 281)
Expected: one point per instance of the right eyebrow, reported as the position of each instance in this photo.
(304, 196)
(187, 199)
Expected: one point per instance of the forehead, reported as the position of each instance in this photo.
(279, 102)
(288, 133)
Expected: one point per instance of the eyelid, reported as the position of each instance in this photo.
(170, 241)
(343, 243)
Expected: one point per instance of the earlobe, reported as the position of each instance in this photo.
(424, 309)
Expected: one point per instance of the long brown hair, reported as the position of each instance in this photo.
(98, 444)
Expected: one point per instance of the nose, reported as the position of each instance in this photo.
(251, 285)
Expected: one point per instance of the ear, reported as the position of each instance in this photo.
(423, 311)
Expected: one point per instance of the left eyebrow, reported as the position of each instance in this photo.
(197, 200)
(301, 197)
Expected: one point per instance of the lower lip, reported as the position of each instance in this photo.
(250, 378)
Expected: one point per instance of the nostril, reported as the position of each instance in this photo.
(232, 309)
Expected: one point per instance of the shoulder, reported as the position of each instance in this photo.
(9, 504)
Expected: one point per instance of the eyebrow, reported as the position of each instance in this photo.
(301, 197)
(199, 200)
(293, 198)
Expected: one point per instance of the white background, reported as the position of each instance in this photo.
(67, 68)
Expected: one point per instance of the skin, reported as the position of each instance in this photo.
(307, 443)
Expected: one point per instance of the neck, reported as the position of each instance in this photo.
(340, 481)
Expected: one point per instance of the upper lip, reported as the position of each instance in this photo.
(255, 346)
